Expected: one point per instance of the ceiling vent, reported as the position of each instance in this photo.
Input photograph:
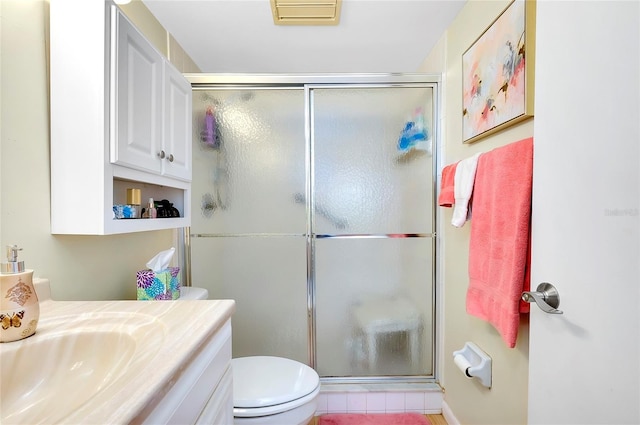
(306, 12)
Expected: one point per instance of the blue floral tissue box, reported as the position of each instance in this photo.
(162, 285)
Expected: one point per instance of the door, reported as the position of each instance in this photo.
(310, 216)
(177, 124)
(248, 230)
(372, 230)
(584, 364)
(138, 103)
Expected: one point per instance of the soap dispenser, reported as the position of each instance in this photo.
(19, 307)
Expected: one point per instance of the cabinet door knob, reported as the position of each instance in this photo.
(170, 157)
(161, 154)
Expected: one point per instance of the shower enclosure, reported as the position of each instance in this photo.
(313, 208)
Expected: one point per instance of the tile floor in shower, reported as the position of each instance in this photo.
(423, 398)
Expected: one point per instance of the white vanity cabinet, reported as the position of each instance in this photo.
(153, 107)
(120, 119)
(203, 393)
(169, 362)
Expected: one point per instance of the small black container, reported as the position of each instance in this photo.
(165, 209)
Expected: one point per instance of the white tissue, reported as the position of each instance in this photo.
(161, 260)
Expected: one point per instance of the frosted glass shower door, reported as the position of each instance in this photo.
(312, 207)
(248, 234)
(373, 225)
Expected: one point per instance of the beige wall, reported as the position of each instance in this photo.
(144, 20)
(470, 402)
(79, 267)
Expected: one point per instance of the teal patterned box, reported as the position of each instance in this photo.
(162, 285)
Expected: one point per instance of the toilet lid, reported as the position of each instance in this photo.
(260, 381)
(193, 293)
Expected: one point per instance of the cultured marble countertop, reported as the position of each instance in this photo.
(182, 327)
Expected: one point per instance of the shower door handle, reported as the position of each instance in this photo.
(546, 297)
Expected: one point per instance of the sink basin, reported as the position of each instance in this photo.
(72, 360)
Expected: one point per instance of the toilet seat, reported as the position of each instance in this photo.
(240, 412)
(265, 385)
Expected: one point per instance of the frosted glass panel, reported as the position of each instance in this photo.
(267, 279)
(248, 161)
(374, 307)
(363, 182)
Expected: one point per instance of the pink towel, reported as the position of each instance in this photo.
(446, 197)
(499, 242)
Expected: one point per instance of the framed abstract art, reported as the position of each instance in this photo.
(498, 73)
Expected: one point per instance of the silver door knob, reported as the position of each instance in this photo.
(161, 154)
(546, 297)
(170, 157)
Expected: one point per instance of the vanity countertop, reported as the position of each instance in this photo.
(175, 332)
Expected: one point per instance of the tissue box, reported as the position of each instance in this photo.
(162, 285)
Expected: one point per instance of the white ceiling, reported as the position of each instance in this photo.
(239, 36)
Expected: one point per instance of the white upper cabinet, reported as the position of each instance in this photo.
(138, 79)
(153, 114)
(177, 124)
(120, 119)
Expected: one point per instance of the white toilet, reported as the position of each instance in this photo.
(193, 293)
(269, 390)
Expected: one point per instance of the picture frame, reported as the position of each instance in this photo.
(498, 73)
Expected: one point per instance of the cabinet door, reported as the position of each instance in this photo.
(177, 124)
(138, 101)
(219, 408)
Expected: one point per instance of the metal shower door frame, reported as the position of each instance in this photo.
(332, 81)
